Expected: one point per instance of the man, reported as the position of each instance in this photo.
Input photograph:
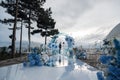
(60, 47)
(60, 52)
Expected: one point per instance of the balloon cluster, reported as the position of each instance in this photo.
(53, 43)
(100, 76)
(113, 70)
(112, 62)
(34, 59)
(62, 44)
(105, 59)
(117, 44)
(53, 46)
(70, 41)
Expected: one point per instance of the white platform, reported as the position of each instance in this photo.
(78, 71)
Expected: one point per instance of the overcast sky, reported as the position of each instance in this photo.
(86, 20)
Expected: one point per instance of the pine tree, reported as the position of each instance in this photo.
(45, 24)
(12, 8)
(26, 10)
(31, 8)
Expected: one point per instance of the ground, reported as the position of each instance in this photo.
(76, 71)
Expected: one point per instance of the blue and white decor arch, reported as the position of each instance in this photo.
(67, 44)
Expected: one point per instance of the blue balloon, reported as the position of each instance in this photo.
(105, 59)
(116, 43)
(32, 62)
(66, 38)
(34, 59)
(100, 76)
(54, 46)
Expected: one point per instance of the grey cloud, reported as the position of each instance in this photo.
(66, 12)
(98, 35)
(94, 37)
(73, 8)
(69, 14)
(70, 11)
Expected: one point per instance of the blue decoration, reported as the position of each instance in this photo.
(32, 62)
(54, 45)
(114, 72)
(58, 46)
(71, 54)
(100, 76)
(113, 62)
(116, 43)
(118, 56)
(69, 41)
(105, 59)
(81, 54)
(34, 59)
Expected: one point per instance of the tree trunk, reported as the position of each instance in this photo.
(21, 38)
(14, 30)
(45, 40)
(46, 37)
(29, 38)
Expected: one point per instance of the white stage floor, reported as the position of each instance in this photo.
(78, 71)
